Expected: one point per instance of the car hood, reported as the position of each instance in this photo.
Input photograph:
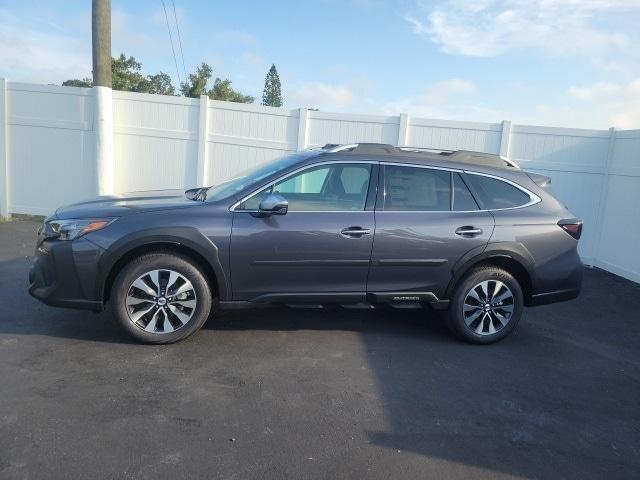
(126, 204)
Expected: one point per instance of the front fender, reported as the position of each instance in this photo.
(187, 237)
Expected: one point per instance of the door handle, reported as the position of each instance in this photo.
(354, 232)
(468, 231)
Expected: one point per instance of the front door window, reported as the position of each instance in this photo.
(331, 187)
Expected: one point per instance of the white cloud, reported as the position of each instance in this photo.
(599, 105)
(597, 90)
(449, 99)
(40, 57)
(442, 92)
(322, 95)
(486, 28)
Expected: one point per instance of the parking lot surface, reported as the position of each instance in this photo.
(299, 393)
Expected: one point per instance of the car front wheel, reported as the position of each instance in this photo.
(161, 298)
(486, 306)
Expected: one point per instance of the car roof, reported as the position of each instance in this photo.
(456, 159)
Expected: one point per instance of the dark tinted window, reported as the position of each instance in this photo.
(421, 189)
(462, 199)
(493, 193)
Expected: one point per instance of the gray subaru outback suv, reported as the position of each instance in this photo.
(367, 224)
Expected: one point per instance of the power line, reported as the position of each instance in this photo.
(175, 16)
(175, 60)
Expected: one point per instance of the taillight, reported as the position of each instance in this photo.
(573, 226)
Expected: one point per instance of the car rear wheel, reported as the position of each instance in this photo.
(161, 298)
(486, 306)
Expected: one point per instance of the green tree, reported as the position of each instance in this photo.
(85, 82)
(272, 93)
(222, 91)
(160, 84)
(126, 76)
(197, 82)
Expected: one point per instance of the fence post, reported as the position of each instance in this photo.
(303, 123)
(505, 139)
(604, 194)
(202, 176)
(103, 139)
(4, 151)
(403, 130)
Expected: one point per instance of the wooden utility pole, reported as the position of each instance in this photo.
(103, 107)
(101, 33)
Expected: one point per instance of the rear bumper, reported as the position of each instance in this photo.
(553, 297)
(63, 274)
(560, 290)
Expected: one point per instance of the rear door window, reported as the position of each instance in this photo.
(416, 189)
(493, 193)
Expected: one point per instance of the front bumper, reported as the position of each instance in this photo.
(64, 274)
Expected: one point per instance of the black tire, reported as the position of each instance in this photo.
(199, 293)
(457, 319)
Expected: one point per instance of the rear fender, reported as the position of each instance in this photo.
(513, 250)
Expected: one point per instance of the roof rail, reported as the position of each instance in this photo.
(430, 150)
(336, 147)
(362, 148)
(483, 158)
(466, 156)
(509, 163)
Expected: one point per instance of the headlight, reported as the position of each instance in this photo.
(73, 228)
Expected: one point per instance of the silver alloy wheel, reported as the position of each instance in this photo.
(161, 301)
(488, 307)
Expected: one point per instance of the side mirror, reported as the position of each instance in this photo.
(273, 204)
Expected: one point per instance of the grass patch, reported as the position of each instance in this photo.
(18, 217)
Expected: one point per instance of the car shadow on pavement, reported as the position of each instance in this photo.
(397, 323)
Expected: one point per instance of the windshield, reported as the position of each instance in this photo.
(254, 175)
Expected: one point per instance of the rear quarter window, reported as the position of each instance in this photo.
(493, 193)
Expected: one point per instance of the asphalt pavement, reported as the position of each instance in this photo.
(298, 393)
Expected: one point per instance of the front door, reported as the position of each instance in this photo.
(426, 220)
(322, 246)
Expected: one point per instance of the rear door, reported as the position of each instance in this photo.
(322, 246)
(426, 219)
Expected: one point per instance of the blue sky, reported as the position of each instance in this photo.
(547, 62)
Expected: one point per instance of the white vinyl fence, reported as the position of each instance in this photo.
(46, 150)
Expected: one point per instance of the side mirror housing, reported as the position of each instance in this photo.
(273, 204)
